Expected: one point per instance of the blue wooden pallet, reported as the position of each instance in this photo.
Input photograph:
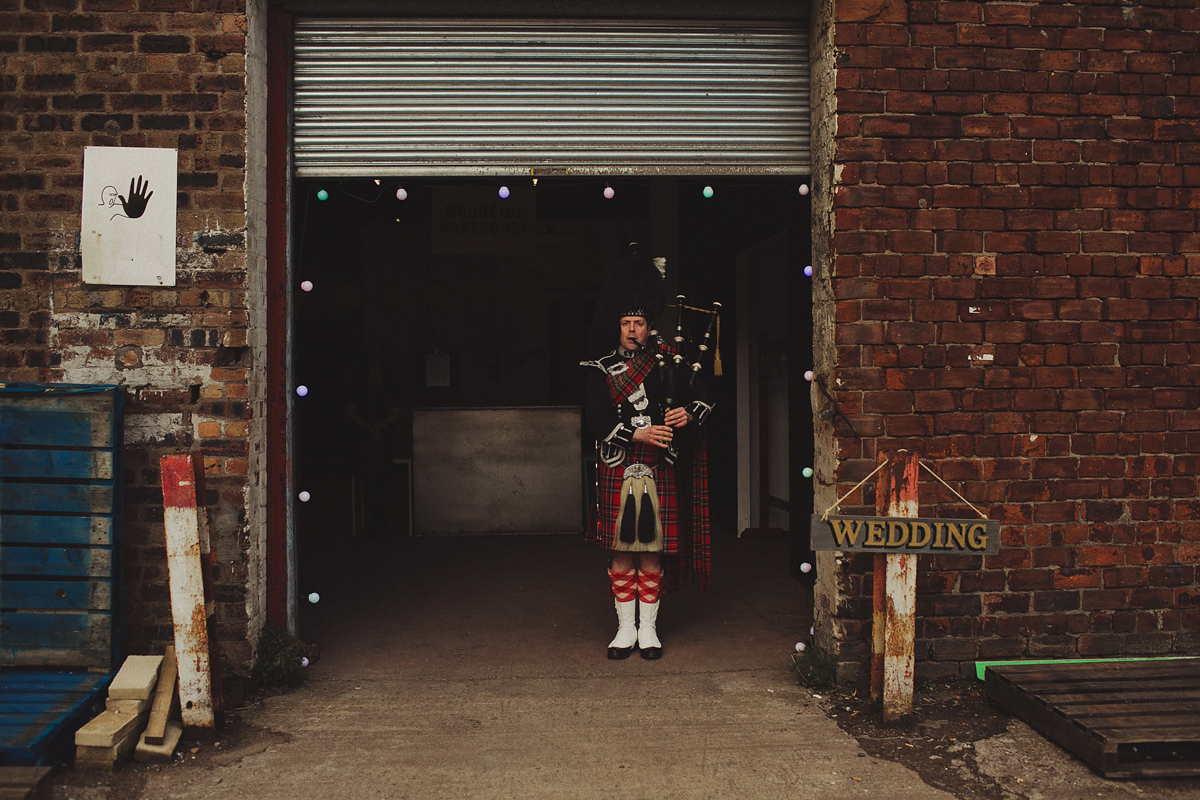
(40, 712)
(60, 512)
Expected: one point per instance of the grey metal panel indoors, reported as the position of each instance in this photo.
(497, 470)
(377, 97)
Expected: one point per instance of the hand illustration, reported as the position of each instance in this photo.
(135, 206)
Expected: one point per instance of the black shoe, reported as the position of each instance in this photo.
(618, 653)
(651, 653)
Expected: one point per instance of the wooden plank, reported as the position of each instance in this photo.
(164, 699)
(19, 629)
(1162, 707)
(65, 531)
(56, 595)
(59, 498)
(886, 534)
(61, 562)
(1180, 769)
(30, 639)
(1104, 686)
(1135, 695)
(1115, 727)
(1149, 733)
(15, 712)
(77, 421)
(24, 682)
(71, 658)
(1116, 671)
(982, 666)
(59, 464)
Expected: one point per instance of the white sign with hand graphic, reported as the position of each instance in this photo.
(129, 209)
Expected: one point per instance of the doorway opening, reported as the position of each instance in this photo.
(456, 298)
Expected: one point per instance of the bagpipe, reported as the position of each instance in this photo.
(682, 360)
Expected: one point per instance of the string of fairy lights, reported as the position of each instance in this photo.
(504, 192)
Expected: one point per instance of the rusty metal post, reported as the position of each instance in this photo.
(879, 581)
(878, 621)
(901, 589)
(185, 568)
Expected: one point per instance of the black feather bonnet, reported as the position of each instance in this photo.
(634, 288)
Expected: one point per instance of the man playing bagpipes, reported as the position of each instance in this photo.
(651, 496)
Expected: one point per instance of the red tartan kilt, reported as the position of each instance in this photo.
(602, 530)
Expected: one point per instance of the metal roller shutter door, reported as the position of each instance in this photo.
(380, 97)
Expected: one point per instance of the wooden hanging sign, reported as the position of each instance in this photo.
(972, 537)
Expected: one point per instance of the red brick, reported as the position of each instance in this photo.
(1120, 577)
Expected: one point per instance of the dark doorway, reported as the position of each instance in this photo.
(455, 297)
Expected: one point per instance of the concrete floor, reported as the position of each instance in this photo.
(475, 668)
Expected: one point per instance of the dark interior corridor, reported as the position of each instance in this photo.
(399, 289)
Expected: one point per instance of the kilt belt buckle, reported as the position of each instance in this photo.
(635, 471)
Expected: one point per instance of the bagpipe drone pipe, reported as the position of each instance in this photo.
(681, 361)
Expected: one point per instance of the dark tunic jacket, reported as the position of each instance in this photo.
(611, 423)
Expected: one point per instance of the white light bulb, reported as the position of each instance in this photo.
(503, 192)
(806, 567)
(808, 375)
(800, 647)
(804, 188)
(302, 390)
(313, 597)
(306, 286)
(609, 192)
(401, 193)
(304, 497)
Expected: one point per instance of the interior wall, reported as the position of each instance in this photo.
(400, 286)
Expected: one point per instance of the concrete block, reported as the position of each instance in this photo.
(136, 678)
(110, 728)
(149, 753)
(128, 706)
(94, 757)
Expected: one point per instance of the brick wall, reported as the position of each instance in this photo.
(1013, 276)
(168, 73)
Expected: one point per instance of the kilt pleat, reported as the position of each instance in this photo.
(683, 508)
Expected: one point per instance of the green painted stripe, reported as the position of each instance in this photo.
(981, 666)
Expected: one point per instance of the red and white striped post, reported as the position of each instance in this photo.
(894, 586)
(185, 567)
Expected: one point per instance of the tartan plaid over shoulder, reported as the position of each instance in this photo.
(682, 487)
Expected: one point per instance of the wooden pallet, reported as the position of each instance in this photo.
(60, 523)
(1125, 719)
(40, 712)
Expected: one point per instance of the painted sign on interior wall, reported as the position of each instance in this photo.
(476, 220)
(128, 219)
